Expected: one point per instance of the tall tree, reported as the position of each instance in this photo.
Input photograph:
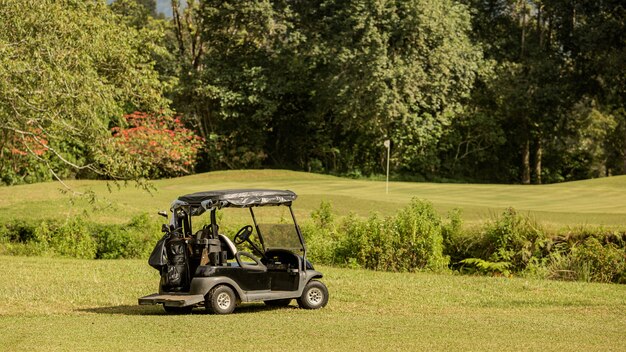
(552, 83)
(68, 70)
(309, 83)
(392, 69)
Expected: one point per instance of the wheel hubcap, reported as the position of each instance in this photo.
(223, 300)
(315, 296)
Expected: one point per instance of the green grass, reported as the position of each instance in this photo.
(593, 202)
(51, 304)
(57, 304)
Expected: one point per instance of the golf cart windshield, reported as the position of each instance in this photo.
(280, 236)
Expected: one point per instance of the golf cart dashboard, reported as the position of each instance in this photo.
(280, 259)
(277, 265)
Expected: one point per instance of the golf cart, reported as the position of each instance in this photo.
(206, 268)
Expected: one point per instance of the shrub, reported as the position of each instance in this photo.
(515, 239)
(78, 238)
(323, 216)
(487, 267)
(590, 261)
(419, 235)
(511, 241)
(73, 239)
(160, 144)
(321, 236)
(412, 240)
(321, 243)
(452, 229)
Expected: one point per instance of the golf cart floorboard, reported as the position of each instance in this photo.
(253, 296)
(174, 300)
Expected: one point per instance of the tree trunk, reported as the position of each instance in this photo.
(526, 162)
(540, 26)
(178, 27)
(523, 25)
(538, 156)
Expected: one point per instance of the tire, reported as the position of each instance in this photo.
(177, 310)
(220, 300)
(314, 296)
(278, 302)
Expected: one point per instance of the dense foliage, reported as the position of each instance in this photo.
(319, 85)
(68, 69)
(417, 238)
(414, 239)
(160, 145)
(78, 238)
(490, 91)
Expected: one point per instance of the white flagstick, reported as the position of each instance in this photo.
(387, 144)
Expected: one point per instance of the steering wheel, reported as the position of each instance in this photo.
(243, 234)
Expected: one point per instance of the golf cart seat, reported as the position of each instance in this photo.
(231, 249)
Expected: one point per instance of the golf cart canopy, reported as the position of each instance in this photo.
(236, 198)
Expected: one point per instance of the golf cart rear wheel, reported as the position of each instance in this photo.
(220, 300)
(278, 302)
(177, 310)
(314, 296)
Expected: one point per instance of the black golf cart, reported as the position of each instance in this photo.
(207, 268)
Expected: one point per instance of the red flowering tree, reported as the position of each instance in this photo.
(24, 156)
(158, 145)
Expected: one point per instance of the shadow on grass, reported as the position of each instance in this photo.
(158, 310)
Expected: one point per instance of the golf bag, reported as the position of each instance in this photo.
(170, 256)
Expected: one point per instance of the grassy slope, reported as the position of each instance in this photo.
(596, 202)
(49, 304)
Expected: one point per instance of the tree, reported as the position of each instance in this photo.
(239, 83)
(69, 70)
(136, 13)
(392, 69)
(558, 84)
(161, 146)
(312, 84)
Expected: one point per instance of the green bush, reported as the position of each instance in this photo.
(321, 244)
(364, 243)
(487, 267)
(411, 240)
(515, 239)
(590, 261)
(511, 242)
(73, 239)
(78, 238)
(323, 216)
(416, 238)
(321, 235)
(419, 236)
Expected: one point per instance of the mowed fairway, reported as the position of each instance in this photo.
(67, 305)
(592, 202)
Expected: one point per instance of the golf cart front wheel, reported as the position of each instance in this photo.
(220, 300)
(314, 296)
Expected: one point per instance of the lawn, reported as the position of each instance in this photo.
(51, 304)
(592, 202)
(56, 304)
